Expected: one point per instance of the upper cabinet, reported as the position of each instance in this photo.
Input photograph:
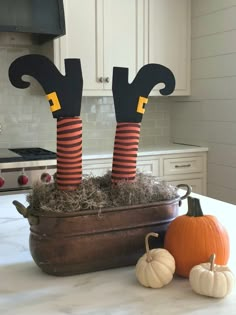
(167, 39)
(120, 37)
(125, 33)
(103, 34)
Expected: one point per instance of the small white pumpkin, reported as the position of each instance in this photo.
(211, 280)
(156, 267)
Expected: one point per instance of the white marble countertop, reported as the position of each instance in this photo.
(25, 290)
(171, 148)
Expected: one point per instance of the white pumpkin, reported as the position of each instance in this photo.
(211, 280)
(155, 268)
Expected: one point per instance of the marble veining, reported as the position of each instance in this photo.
(25, 290)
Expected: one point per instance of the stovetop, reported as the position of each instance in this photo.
(25, 154)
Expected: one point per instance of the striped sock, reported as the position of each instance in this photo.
(69, 153)
(125, 151)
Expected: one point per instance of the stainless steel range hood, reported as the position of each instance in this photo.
(44, 19)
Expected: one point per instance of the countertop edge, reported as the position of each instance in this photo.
(164, 151)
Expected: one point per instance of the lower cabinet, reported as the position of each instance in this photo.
(96, 167)
(197, 184)
(189, 168)
(182, 168)
(149, 165)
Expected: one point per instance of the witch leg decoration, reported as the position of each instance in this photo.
(129, 101)
(69, 153)
(125, 151)
(64, 94)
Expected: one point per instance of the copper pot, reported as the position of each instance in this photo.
(78, 242)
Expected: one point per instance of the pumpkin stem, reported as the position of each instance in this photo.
(212, 262)
(194, 208)
(149, 257)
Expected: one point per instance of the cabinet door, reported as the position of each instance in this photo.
(195, 183)
(83, 39)
(122, 22)
(167, 33)
(103, 34)
(148, 165)
(97, 169)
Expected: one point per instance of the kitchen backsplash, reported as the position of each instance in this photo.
(26, 120)
(99, 124)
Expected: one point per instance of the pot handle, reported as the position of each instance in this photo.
(33, 220)
(188, 191)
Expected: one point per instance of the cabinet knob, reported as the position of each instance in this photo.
(2, 181)
(45, 177)
(100, 80)
(23, 180)
(107, 80)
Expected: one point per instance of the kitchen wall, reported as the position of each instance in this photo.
(26, 120)
(99, 124)
(208, 116)
(24, 114)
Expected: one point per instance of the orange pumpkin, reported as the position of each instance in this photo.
(193, 237)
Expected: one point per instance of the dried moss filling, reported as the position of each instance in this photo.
(98, 192)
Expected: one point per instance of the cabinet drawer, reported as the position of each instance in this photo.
(186, 165)
(148, 166)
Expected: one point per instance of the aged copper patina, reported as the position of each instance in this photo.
(72, 243)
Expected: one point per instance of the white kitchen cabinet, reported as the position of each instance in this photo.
(99, 166)
(185, 168)
(125, 33)
(182, 165)
(181, 168)
(103, 34)
(96, 167)
(197, 184)
(167, 39)
(149, 165)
